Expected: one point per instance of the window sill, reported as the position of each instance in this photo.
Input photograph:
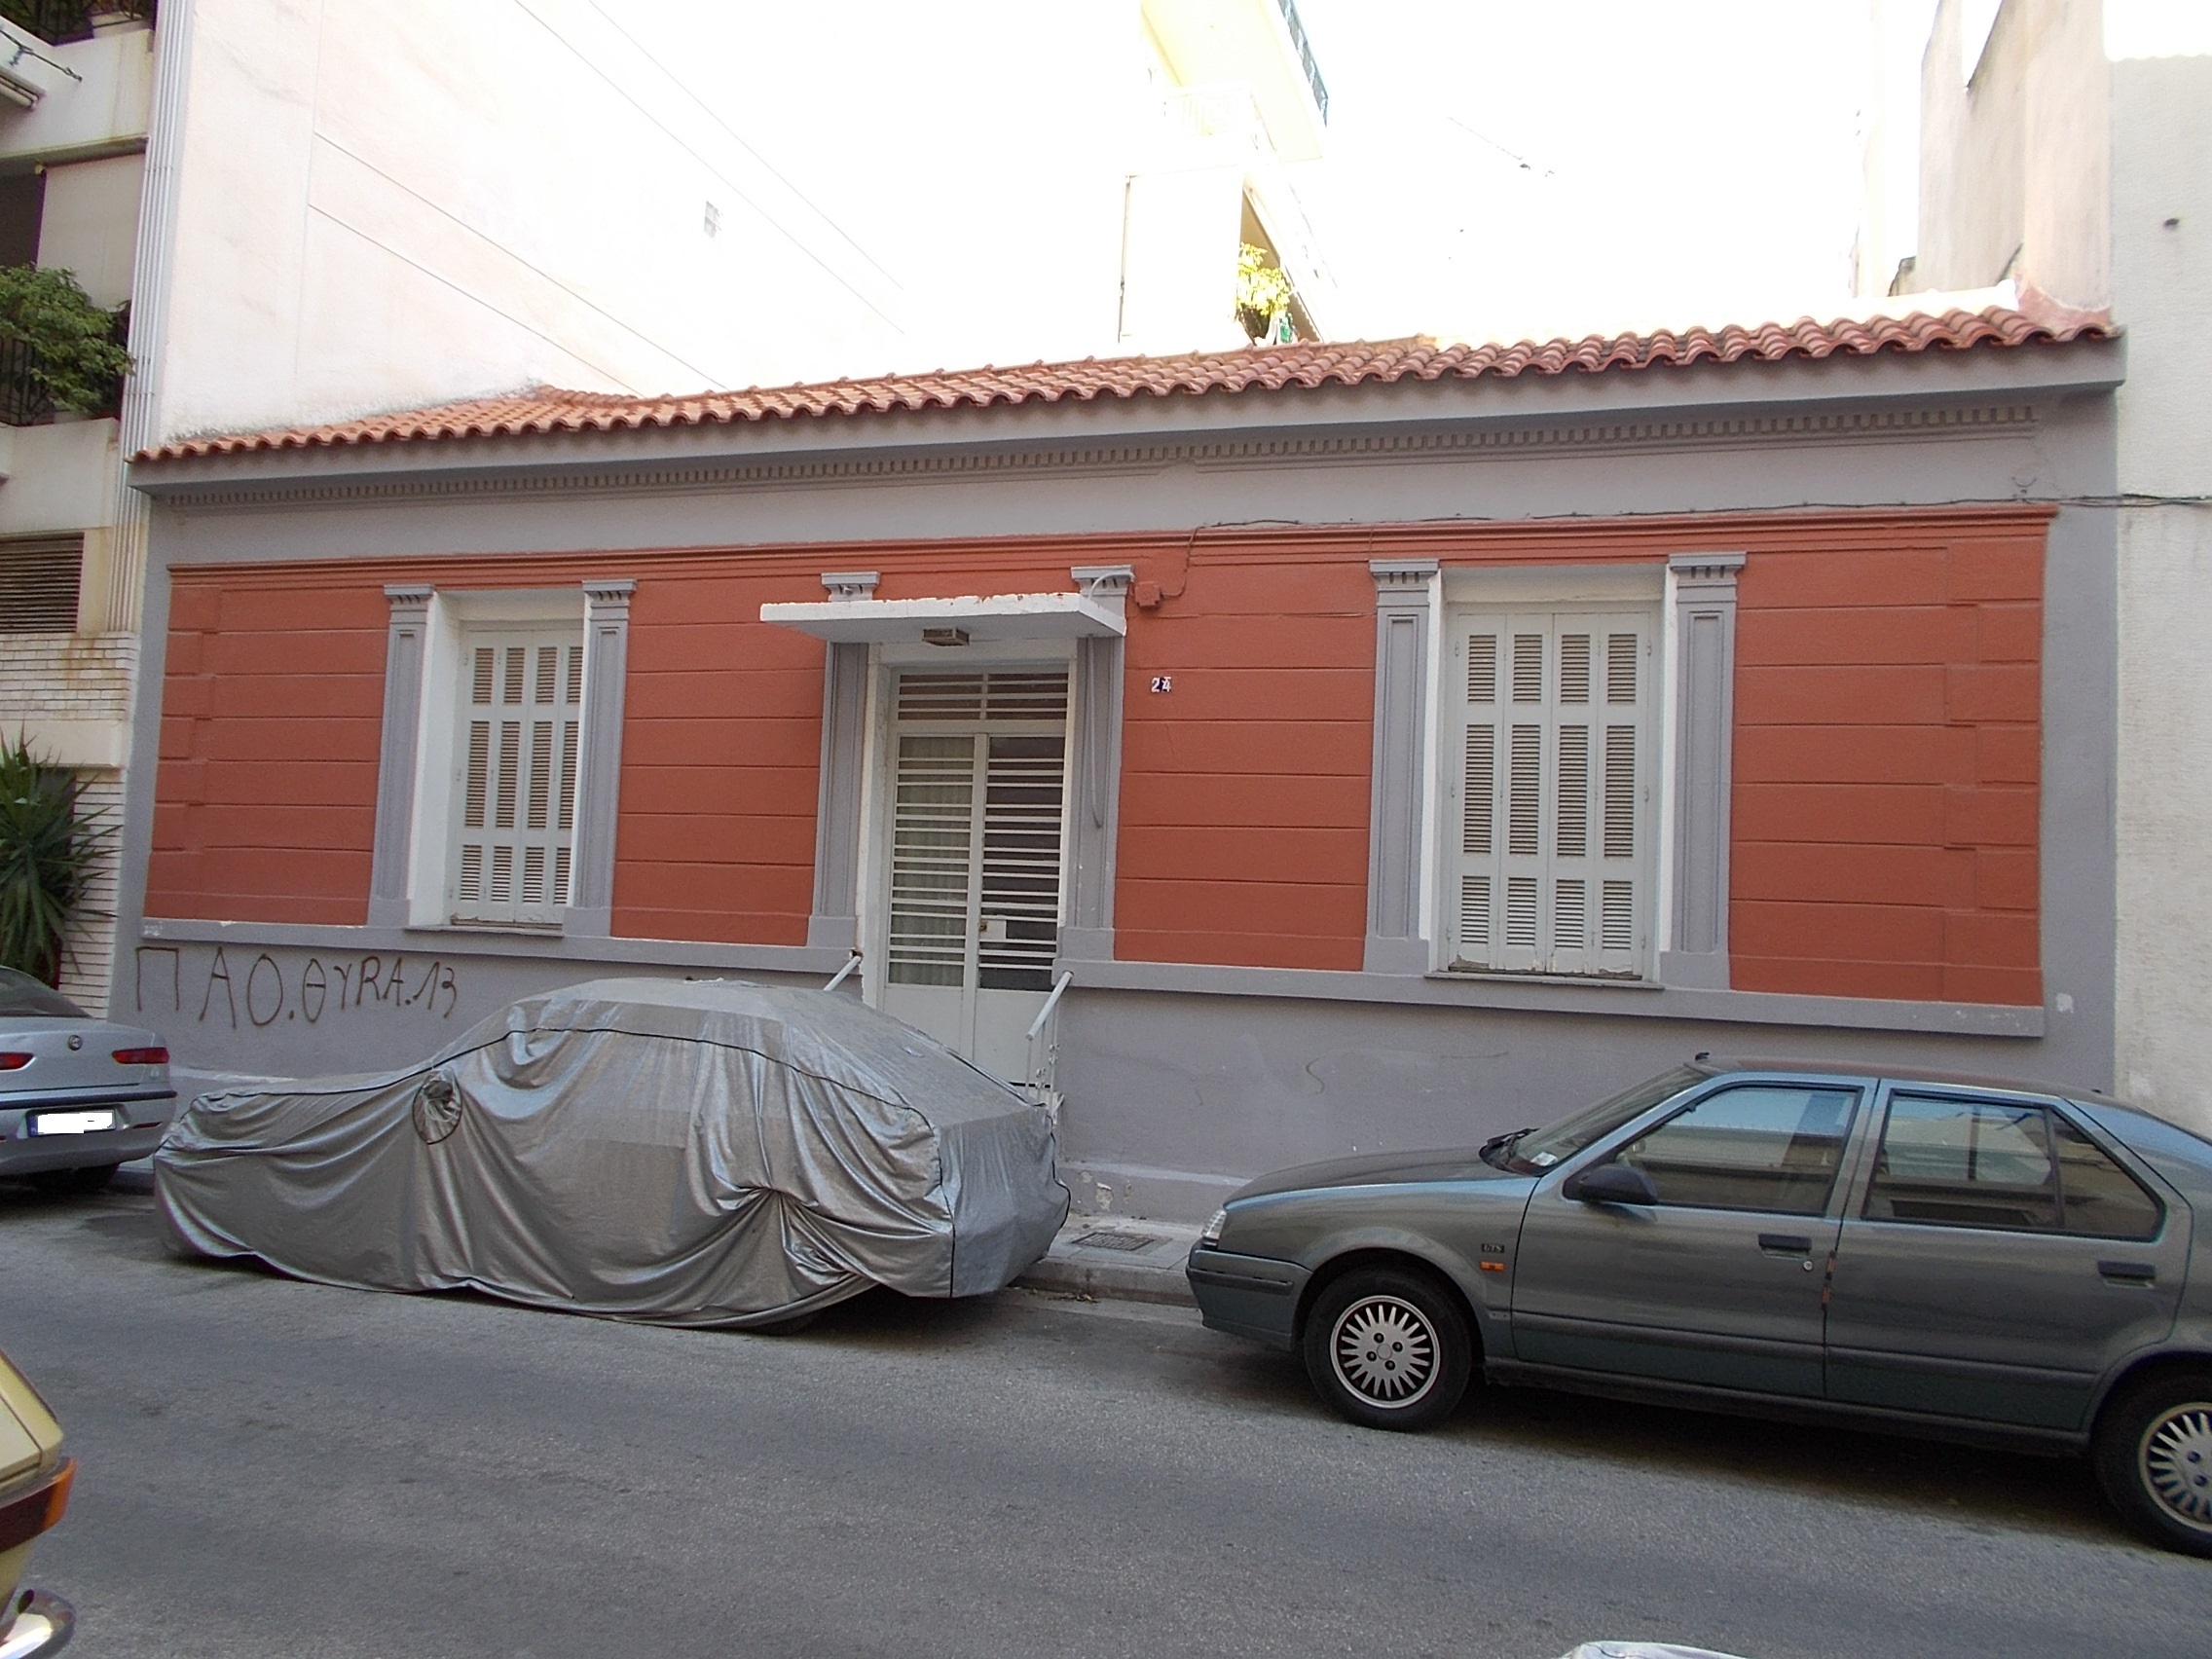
(526, 930)
(1487, 976)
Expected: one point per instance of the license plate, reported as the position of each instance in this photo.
(68, 1122)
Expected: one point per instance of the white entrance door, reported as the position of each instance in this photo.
(978, 775)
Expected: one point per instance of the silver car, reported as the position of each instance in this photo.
(79, 1096)
(1947, 1256)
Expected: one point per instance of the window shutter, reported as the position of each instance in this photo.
(932, 852)
(521, 727)
(1553, 791)
(976, 827)
(1025, 779)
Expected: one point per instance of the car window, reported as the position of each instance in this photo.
(21, 997)
(2096, 1196)
(1965, 1163)
(1773, 1147)
(1540, 1149)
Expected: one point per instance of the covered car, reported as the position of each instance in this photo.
(690, 1153)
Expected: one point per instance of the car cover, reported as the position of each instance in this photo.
(691, 1152)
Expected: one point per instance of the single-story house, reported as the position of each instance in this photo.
(1262, 754)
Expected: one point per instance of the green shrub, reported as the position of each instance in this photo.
(47, 853)
(69, 354)
(1263, 295)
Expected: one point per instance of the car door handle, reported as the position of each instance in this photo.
(1791, 1244)
(2131, 1272)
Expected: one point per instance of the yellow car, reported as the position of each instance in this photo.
(34, 1489)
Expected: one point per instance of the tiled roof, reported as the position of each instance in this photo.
(1270, 368)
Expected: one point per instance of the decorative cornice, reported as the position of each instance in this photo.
(1394, 573)
(851, 584)
(1955, 421)
(604, 593)
(1705, 569)
(409, 595)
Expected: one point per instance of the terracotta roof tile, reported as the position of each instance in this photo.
(549, 409)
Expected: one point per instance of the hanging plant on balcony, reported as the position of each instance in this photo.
(1263, 295)
(46, 852)
(57, 349)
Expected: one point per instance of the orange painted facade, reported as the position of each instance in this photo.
(1887, 747)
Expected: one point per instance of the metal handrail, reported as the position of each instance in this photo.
(1050, 1003)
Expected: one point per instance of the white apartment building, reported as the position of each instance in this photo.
(2065, 147)
(324, 208)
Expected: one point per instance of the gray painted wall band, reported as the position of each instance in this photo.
(606, 661)
(1705, 737)
(834, 924)
(396, 753)
(1095, 809)
(1397, 796)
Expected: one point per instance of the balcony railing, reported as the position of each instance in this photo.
(22, 402)
(60, 22)
(1304, 47)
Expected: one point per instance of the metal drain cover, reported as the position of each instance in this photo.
(1117, 1241)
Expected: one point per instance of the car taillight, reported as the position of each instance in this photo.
(24, 1518)
(138, 1056)
(13, 1062)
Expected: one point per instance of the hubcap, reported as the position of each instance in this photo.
(1385, 1351)
(2176, 1462)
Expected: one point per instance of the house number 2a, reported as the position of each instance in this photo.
(1163, 682)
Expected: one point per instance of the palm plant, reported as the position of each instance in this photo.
(47, 854)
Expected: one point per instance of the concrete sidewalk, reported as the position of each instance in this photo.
(1111, 1258)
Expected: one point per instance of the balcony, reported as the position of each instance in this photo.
(1259, 42)
(58, 22)
(80, 99)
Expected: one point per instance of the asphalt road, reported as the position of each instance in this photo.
(283, 1469)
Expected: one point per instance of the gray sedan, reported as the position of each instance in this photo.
(1946, 1256)
(78, 1096)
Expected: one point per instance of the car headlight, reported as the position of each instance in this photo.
(1213, 1227)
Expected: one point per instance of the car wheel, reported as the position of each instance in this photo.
(1389, 1348)
(2154, 1456)
(67, 1181)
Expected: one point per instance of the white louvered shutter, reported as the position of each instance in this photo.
(976, 829)
(514, 826)
(1551, 790)
(932, 855)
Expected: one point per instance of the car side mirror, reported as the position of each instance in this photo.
(1611, 1184)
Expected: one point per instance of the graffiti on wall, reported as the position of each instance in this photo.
(219, 988)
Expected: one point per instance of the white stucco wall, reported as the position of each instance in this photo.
(2161, 254)
(389, 203)
(90, 221)
(381, 204)
(2016, 163)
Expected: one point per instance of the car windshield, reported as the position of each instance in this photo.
(1534, 1151)
(22, 996)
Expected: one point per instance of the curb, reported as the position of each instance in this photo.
(1114, 1260)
